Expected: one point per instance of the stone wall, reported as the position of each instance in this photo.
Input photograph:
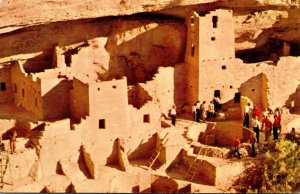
(6, 88)
(27, 90)
(56, 104)
(56, 143)
(212, 69)
(108, 101)
(207, 171)
(168, 88)
(145, 118)
(79, 100)
(216, 37)
(226, 132)
(262, 83)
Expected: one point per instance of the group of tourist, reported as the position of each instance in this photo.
(202, 111)
(271, 122)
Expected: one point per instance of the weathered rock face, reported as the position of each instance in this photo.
(15, 14)
(257, 24)
(138, 47)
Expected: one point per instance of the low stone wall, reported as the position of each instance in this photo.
(211, 151)
(218, 152)
(215, 171)
(88, 161)
(207, 172)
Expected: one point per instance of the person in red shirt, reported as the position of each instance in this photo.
(276, 124)
(237, 144)
(256, 112)
(267, 125)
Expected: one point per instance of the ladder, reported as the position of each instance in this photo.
(4, 167)
(155, 155)
(194, 168)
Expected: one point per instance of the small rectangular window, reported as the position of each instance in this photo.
(102, 124)
(193, 50)
(213, 38)
(223, 66)
(36, 102)
(23, 92)
(146, 118)
(215, 21)
(3, 86)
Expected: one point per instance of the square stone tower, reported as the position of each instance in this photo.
(210, 49)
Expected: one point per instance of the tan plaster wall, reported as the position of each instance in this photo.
(88, 162)
(32, 99)
(55, 93)
(161, 88)
(5, 77)
(137, 117)
(223, 45)
(226, 132)
(206, 170)
(79, 100)
(168, 87)
(56, 103)
(58, 58)
(256, 81)
(192, 58)
(200, 69)
(58, 142)
(270, 87)
(283, 80)
(109, 101)
(163, 184)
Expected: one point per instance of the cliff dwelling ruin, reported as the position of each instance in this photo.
(89, 94)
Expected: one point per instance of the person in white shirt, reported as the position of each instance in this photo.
(194, 111)
(173, 115)
(203, 110)
(246, 122)
(256, 125)
(211, 111)
(217, 103)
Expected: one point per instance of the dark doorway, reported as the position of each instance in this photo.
(217, 93)
(295, 49)
(3, 86)
(237, 97)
